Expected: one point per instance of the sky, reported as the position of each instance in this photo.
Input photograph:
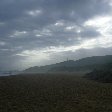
(42, 32)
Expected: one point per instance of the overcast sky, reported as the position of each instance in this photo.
(40, 32)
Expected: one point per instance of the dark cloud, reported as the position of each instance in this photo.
(73, 10)
(89, 33)
(37, 24)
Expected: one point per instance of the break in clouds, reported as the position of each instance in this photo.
(40, 32)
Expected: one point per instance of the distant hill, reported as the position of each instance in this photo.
(85, 64)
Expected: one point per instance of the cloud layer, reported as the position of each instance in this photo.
(39, 32)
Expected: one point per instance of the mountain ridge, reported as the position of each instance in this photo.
(88, 63)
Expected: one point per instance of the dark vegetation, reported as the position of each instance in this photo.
(54, 93)
(102, 74)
